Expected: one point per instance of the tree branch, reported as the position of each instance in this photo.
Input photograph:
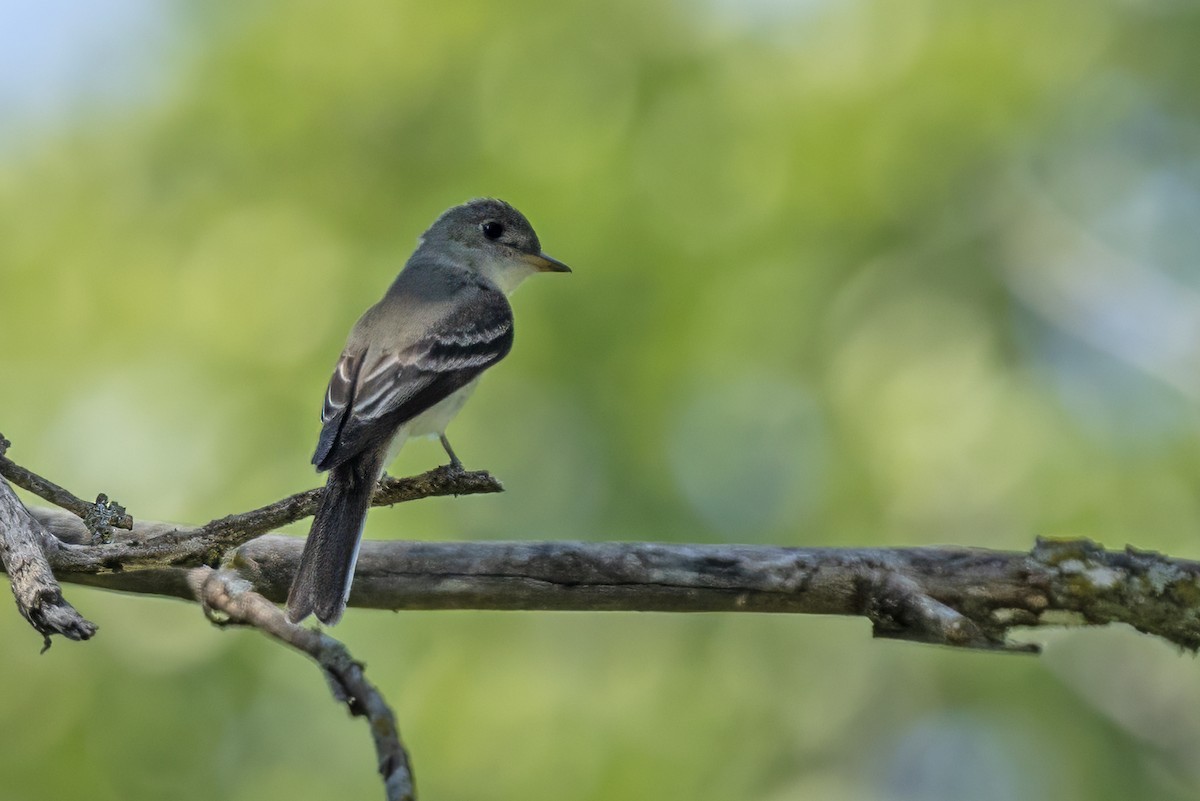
(965, 597)
(962, 597)
(23, 547)
(445, 480)
(150, 555)
(164, 545)
(100, 517)
(231, 596)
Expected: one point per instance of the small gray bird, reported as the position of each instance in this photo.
(409, 365)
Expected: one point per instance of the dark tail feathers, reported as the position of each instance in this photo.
(322, 583)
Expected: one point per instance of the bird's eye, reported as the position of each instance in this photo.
(492, 230)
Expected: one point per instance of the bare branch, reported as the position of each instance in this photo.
(163, 545)
(233, 597)
(446, 480)
(952, 596)
(23, 545)
(100, 517)
(151, 555)
(967, 597)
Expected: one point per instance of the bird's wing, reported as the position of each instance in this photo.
(375, 389)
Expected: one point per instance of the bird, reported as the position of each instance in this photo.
(410, 363)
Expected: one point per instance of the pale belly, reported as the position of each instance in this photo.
(431, 422)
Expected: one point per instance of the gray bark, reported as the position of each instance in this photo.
(967, 597)
(23, 548)
(229, 600)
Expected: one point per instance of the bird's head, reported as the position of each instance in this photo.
(492, 238)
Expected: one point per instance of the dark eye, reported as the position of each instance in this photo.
(492, 230)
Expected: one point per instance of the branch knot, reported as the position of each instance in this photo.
(102, 516)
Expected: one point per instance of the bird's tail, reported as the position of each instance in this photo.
(322, 583)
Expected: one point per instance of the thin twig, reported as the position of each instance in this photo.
(23, 545)
(446, 480)
(158, 545)
(233, 597)
(100, 517)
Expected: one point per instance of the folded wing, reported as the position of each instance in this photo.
(375, 389)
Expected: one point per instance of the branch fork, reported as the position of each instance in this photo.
(228, 599)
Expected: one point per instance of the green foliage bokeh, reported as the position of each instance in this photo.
(845, 274)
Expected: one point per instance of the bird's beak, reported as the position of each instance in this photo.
(544, 264)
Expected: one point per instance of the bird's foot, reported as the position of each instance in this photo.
(456, 466)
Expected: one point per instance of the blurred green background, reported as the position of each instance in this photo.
(847, 273)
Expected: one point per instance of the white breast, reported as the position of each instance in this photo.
(433, 421)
